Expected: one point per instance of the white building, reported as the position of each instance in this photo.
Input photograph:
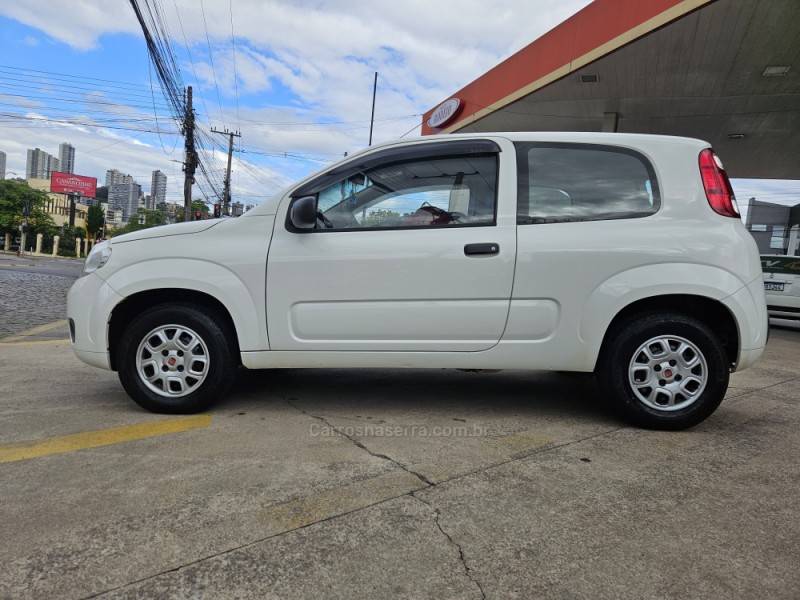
(158, 188)
(113, 177)
(40, 164)
(113, 217)
(66, 155)
(125, 197)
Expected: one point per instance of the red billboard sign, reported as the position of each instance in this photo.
(67, 183)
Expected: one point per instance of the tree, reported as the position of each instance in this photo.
(94, 220)
(68, 235)
(380, 217)
(18, 201)
(143, 219)
(197, 204)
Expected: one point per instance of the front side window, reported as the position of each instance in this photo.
(434, 192)
(583, 182)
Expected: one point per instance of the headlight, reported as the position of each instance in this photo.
(97, 257)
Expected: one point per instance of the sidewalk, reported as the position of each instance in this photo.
(8, 255)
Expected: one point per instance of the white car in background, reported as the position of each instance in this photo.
(782, 285)
(618, 254)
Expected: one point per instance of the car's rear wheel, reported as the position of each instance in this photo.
(664, 370)
(176, 358)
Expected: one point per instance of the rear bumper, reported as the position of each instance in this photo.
(749, 308)
(89, 304)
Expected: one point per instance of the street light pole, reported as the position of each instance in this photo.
(226, 193)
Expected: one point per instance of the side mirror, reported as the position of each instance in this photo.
(303, 213)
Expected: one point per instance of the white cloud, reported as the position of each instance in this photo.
(298, 62)
(78, 23)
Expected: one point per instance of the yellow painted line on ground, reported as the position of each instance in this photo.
(102, 437)
(34, 342)
(34, 331)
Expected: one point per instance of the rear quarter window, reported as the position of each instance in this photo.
(583, 182)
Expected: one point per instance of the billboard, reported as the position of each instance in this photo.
(68, 183)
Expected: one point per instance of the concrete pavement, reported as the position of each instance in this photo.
(411, 484)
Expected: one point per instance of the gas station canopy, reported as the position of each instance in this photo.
(726, 71)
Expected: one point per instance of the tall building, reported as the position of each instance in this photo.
(40, 164)
(2, 165)
(158, 188)
(66, 155)
(124, 197)
(237, 209)
(113, 177)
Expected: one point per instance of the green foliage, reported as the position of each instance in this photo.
(379, 217)
(197, 204)
(15, 197)
(67, 235)
(143, 220)
(94, 220)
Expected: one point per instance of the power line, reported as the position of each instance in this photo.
(189, 53)
(211, 59)
(289, 155)
(48, 86)
(235, 73)
(82, 123)
(162, 56)
(76, 101)
(83, 78)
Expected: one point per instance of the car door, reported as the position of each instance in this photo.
(413, 250)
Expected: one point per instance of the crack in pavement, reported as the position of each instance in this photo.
(358, 444)
(467, 569)
(412, 493)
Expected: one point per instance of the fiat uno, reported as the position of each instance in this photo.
(618, 254)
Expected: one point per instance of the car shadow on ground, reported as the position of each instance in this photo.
(494, 394)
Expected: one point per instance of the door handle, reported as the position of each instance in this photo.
(482, 249)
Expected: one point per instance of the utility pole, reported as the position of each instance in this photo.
(190, 156)
(226, 194)
(372, 118)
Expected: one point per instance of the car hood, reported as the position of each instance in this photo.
(166, 230)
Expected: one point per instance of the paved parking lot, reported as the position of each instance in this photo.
(392, 483)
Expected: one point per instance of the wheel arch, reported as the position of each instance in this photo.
(132, 305)
(710, 311)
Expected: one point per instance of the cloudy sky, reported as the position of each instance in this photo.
(294, 76)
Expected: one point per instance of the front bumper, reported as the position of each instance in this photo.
(89, 304)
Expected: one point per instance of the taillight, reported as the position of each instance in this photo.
(717, 185)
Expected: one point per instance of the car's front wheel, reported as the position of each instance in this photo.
(664, 370)
(176, 358)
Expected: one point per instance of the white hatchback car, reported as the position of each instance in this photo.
(618, 254)
(782, 285)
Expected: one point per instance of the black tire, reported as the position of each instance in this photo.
(221, 352)
(618, 352)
